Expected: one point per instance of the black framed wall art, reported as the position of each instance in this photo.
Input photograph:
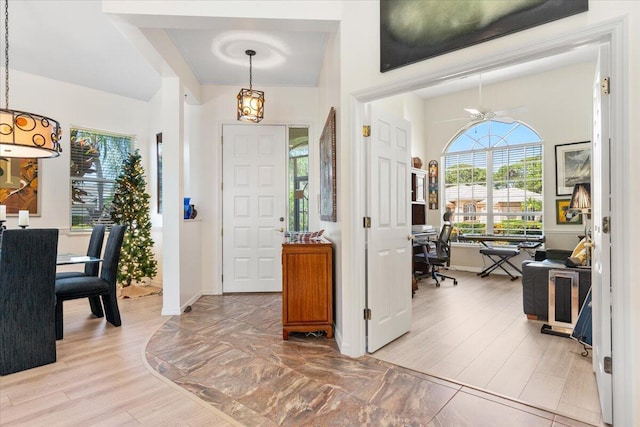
(414, 30)
(573, 166)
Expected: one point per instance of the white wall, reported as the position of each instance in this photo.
(73, 105)
(329, 96)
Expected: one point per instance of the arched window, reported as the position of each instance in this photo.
(495, 167)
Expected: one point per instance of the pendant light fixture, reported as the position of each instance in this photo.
(250, 102)
(25, 134)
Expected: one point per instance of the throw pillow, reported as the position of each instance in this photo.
(580, 252)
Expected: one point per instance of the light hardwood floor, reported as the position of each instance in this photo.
(476, 334)
(101, 378)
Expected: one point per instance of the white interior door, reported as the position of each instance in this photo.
(601, 267)
(389, 248)
(254, 207)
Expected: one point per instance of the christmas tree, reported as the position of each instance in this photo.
(130, 207)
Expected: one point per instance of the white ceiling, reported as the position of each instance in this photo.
(73, 41)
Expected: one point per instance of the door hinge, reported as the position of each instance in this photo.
(366, 131)
(367, 314)
(605, 86)
(608, 365)
(222, 277)
(222, 231)
(366, 222)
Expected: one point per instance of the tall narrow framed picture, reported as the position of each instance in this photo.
(573, 166)
(328, 208)
(19, 185)
(159, 170)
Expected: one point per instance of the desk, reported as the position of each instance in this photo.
(501, 254)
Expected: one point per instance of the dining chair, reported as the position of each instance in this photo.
(27, 299)
(103, 286)
(90, 268)
(94, 250)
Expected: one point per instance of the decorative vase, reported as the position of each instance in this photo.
(187, 208)
(194, 212)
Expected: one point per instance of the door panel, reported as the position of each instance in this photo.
(601, 266)
(388, 245)
(254, 201)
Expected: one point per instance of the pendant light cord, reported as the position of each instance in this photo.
(250, 72)
(6, 54)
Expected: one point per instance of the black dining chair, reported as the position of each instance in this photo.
(103, 286)
(90, 268)
(94, 250)
(27, 299)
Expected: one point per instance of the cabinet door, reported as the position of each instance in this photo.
(307, 281)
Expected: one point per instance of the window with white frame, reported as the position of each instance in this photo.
(493, 179)
(97, 159)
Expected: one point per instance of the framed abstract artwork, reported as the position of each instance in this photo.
(328, 208)
(19, 185)
(573, 166)
(414, 30)
(562, 207)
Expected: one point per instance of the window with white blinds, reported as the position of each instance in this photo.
(96, 161)
(493, 178)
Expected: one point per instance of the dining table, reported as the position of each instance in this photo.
(69, 258)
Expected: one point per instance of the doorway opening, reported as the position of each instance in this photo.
(372, 97)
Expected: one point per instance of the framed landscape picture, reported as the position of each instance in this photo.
(573, 166)
(328, 210)
(19, 185)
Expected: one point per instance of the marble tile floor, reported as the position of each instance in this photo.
(228, 351)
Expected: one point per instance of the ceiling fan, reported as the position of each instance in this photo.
(480, 113)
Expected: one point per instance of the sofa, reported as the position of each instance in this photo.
(535, 282)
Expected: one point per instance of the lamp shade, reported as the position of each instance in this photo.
(250, 105)
(28, 135)
(581, 197)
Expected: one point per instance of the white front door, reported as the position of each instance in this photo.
(254, 207)
(389, 248)
(601, 208)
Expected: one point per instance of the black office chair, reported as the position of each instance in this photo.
(90, 268)
(438, 253)
(93, 286)
(27, 299)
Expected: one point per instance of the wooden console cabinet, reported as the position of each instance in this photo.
(307, 287)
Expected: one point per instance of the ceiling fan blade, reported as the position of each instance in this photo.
(473, 111)
(504, 119)
(515, 110)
